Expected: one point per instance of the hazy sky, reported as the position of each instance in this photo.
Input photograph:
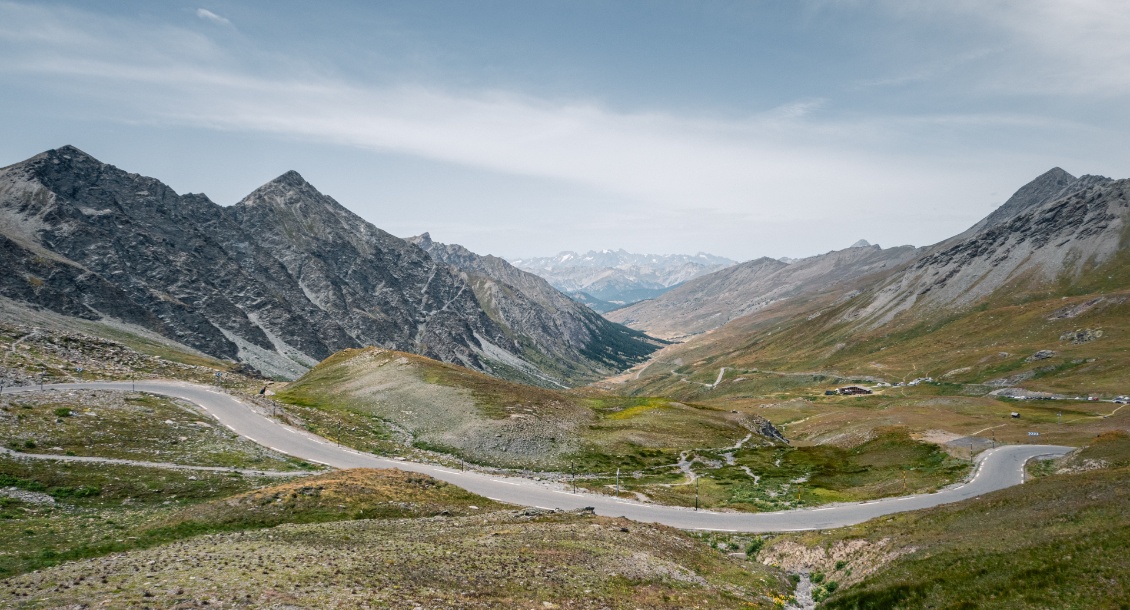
(779, 128)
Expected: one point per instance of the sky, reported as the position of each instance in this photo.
(739, 128)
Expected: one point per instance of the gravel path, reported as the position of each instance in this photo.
(20, 455)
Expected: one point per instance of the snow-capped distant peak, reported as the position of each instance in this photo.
(618, 275)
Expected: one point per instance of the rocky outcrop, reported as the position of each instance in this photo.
(280, 280)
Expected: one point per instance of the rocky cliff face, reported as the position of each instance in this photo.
(713, 300)
(569, 338)
(281, 280)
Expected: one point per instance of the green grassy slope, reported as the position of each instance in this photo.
(500, 560)
(658, 444)
(1058, 541)
(489, 421)
(100, 509)
(991, 343)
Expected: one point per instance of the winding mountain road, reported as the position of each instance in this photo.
(996, 469)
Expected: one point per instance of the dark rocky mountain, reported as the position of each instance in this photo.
(562, 334)
(712, 300)
(281, 280)
(1049, 186)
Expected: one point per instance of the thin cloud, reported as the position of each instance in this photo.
(208, 15)
(1057, 47)
(753, 164)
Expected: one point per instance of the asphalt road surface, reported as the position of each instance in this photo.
(996, 469)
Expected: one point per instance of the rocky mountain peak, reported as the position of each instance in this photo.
(68, 153)
(1049, 185)
(65, 159)
(69, 149)
(286, 189)
(291, 179)
(290, 205)
(863, 243)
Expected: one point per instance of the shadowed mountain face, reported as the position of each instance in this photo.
(281, 280)
(570, 337)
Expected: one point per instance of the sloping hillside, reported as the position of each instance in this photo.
(1066, 534)
(490, 421)
(1036, 300)
(712, 300)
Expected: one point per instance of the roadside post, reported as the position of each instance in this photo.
(573, 474)
(617, 482)
(696, 493)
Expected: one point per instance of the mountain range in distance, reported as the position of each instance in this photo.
(608, 279)
(281, 280)
(288, 276)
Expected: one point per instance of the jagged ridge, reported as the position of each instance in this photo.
(281, 280)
